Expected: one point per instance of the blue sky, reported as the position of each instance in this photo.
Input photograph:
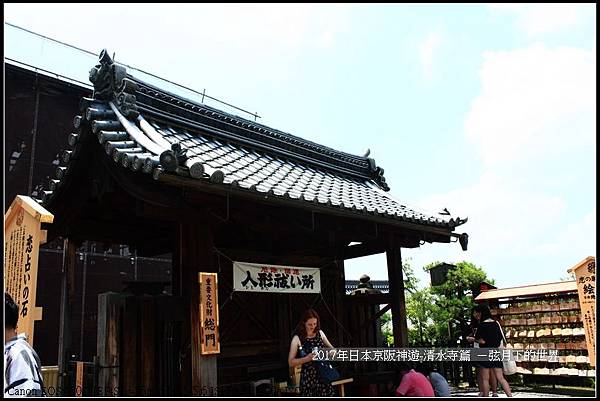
(487, 110)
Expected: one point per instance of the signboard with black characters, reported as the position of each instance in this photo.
(22, 238)
(257, 277)
(209, 314)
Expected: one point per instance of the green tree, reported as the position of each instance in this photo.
(386, 328)
(454, 301)
(411, 282)
(432, 312)
(420, 311)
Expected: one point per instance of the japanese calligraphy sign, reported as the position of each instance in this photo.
(22, 238)
(276, 279)
(209, 314)
(585, 275)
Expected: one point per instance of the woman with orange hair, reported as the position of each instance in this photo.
(308, 337)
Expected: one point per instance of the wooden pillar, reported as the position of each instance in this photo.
(283, 319)
(64, 334)
(340, 292)
(148, 369)
(396, 281)
(196, 254)
(108, 346)
(129, 358)
(179, 290)
(176, 264)
(339, 287)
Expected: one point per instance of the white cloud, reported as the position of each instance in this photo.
(326, 39)
(538, 19)
(228, 49)
(260, 28)
(533, 122)
(427, 53)
(579, 238)
(534, 102)
(503, 214)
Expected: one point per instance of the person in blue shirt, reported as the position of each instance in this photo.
(438, 382)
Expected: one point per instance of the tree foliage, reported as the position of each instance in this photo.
(454, 300)
(420, 312)
(386, 328)
(438, 315)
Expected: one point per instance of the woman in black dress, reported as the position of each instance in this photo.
(489, 335)
(478, 366)
(309, 336)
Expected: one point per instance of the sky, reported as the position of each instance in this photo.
(486, 110)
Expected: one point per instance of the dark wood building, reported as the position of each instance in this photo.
(39, 107)
(165, 175)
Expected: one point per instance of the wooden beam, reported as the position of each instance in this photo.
(376, 316)
(284, 331)
(396, 226)
(338, 284)
(248, 313)
(394, 265)
(129, 359)
(364, 249)
(230, 327)
(108, 344)
(196, 254)
(149, 211)
(339, 291)
(147, 346)
(371, 299)
(64, 335)
(123, 231)
(267, 257)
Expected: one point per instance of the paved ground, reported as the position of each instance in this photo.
(517, 394)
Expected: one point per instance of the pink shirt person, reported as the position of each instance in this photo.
(414, 384)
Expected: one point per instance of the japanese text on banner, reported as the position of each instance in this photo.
(278, 279)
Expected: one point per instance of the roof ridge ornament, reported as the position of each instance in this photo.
(376, 174)
(111, 83)
(171, 159)
(270, 138)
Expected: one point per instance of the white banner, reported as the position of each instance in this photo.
(257, 277)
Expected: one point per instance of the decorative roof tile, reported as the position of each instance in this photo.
(148, 130)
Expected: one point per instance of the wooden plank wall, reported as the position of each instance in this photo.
(139, 344)
(108, 345)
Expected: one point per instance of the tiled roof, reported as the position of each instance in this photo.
(528, 290)
(381, 285)
(149, 130)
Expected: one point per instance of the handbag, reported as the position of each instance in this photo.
(301, 352)
(508, 367)
(327, 372)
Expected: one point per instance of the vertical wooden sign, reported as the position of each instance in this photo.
(585, 275)
(209, 314)
(22, 238)
(79, 380)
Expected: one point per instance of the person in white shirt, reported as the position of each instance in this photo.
(22, 376)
